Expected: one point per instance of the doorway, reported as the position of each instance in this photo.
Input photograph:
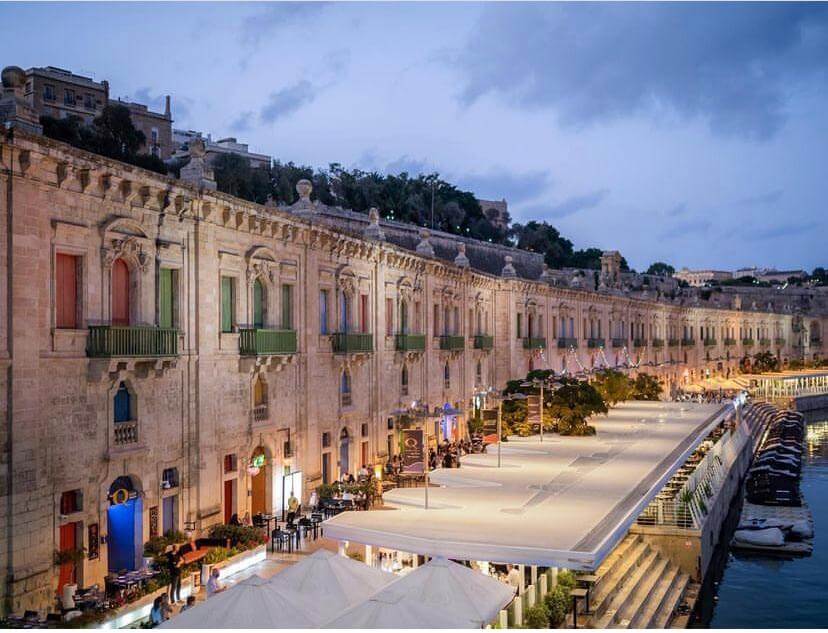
(344, 451)
(169, 510)
(229, 500)
(68, 542)
(258, 501)
(125, 540)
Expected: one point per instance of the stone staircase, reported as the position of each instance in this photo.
(637, 588)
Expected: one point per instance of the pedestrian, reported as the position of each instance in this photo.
(191, 600)
(293, 508)
(214, 586)
(314, 501)
(166, 607)
(156, 613)
(513, 577)
(173, 565)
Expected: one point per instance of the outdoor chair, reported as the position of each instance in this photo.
(279, 539)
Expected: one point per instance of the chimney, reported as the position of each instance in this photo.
(167, 107)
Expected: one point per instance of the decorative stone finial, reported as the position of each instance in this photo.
(508, 268)
(197, 171)
(373, 231)
(304, 188)
(425, 247)
(461, 259)
(546, 274)
(15, 111)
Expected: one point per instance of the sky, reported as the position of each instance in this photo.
(695, 134)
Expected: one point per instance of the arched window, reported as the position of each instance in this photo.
(446, 376)
(259, 392)
(404, 381)
(345, 388)
(122, 404)
(120, 292)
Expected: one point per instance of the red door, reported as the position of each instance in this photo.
(68, 541)
(228, 500)
(120, 293)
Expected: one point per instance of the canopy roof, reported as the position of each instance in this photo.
(253, 603)
(564, 502)
(332, 583)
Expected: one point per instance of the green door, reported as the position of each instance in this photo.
(226, 304)
(165, 298)
(287, 307)
(258, 301)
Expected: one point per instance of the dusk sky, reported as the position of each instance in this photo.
(694, 134)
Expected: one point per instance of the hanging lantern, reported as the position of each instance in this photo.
(253, 470)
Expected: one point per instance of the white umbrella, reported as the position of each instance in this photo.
(331, 582)
(443, 585)
(251, 604)
(392, 609)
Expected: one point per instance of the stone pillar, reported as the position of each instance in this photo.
(343, 548)
(369, 555)
(543, 584)
(522, 569)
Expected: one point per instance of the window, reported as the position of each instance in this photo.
(70, 501)
(446, 376)
(363, 429)
(69, 96)
(478, 373)
(404, 381)
(231, 463)
(363, 313)
(404, 317)
(519, 331)
(169, 478)
(228, 304)
(418, 319)
(48, 92)
(389, 316)
(166, 297)
(122, 404)
(326, 468)
(287, 307)
(446, 321)
(88, 101)
(258, 304)
(66, 291)
(345, 389)
(324, 297)
(436, 320)
(120, 293)
(456, 320)
(344, 312)
(326, 439)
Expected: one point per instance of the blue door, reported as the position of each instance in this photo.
(125, 538)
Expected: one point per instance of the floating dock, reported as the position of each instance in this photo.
(782, 514)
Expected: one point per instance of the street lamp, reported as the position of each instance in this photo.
(420, 410)
(500, 400)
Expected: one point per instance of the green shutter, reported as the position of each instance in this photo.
(226, 304)
(258, 298)
(287, 307)
(165, 298)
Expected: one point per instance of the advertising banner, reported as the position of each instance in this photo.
(413, 456)
(533, 405)
(490, 426)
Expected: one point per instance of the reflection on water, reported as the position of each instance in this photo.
(757, 592)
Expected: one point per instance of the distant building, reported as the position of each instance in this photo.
(769, 274)
(701, 277)
(497, 212)
(214, 149)
(60, 93)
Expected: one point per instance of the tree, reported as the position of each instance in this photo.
(613, 386)
(820, 275)
(661, 268)
(573, 404)
(646, 387)
(765, 362)
(115, 135)
(235, 177)
(541, 237)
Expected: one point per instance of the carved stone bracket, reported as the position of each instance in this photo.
(118, 369)
(260, 364)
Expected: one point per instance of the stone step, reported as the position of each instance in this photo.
(609, 584)
(617, 556)
(631, 582)
(644, 618)
(637, 601)
(662, 618)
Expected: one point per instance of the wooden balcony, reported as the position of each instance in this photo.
(730, 342)
(709, 342)
(409, 342)
(595, 343)
(748, 342)
(534, 342)
(567, 342)
(260, 342)
(483, 341)
(345, 343)
(619, 342)
(658, 342)
(124, 341)
(452, 343)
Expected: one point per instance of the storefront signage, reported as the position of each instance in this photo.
(489, 417)
(533, 410)
(412, 454)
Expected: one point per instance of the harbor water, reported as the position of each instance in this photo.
(751, 591)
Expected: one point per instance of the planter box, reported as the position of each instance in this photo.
(235, 563)
(134, 612)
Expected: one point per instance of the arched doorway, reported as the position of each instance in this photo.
(125, 526)
(120, 292)
(344, 451)
(258, 484)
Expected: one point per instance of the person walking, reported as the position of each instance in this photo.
(293, 508)
(173, 564)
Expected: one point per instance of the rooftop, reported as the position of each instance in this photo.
(564, 502)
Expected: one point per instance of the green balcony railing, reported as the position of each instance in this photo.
(261, 342)
(658, 342)
(409, 342)
(764, 342)
(688, 342)
(748, 342)
(619, 342)
(639, 342)
(452, 343)
(730, 342)
(534, 342)
(672, 342)
(779, 340)
(567, 341)
(483, 341)
(343, 343)
(595, 343)
(816, 342)
(709, 342)
(114, 341)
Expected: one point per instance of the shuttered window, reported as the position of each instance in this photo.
(258, 304)
(166, 299)
(389, 316)
(66, 291)
(287, 307)
(227, 304)
(120, 293)
(363, 313)
(323, 311)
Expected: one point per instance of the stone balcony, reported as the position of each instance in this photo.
(409, 342)
(125, 433)
(534, 342)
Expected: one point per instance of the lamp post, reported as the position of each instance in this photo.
(500, 400)
(420, 410)
(540, 383)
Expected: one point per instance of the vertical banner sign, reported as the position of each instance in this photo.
(413, 456)
(534, 411)
(489, 417)
(93, 537)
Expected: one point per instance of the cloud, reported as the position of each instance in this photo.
(288, 100)
(275, 16)
(410, 165)
(679, 209)
(779, 231)
(499, 182)
(685, 228)
(180, 106)
(243, 122)
(734, 65)
(574, 204)
(771, 197)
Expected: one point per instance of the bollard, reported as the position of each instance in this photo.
(554, 579)
(544, 585)
(503, 619)
(522, 569)
(533, 574)
(530, 596)
(517, 612)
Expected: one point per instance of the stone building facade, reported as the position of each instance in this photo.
(172, 355)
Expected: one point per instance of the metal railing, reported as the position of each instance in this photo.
(730, 342)
(409, 342)
(567, 341)
(688, 342)
(534, 342)
(260, 413)
(709, 342)
(343, 343)
(639, 342)
(595, 343)
(483, 341)
(619, 342)
(672, 342)
(113, 341)
(748, 342)
(764, 342)
(452, 342)
(261, 342)
(658, 342)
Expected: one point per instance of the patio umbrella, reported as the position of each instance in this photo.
(331, 582)
(251, 604)
(392, 609)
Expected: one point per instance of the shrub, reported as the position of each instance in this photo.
(557, 604)
(566, 578)
(216, 555)
(537, 616)
(242, 537)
